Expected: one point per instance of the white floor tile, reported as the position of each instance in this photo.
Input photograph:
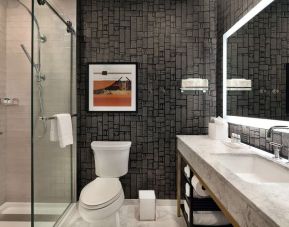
(129, 217)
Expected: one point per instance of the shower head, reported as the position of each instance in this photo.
(26, 53)
(40, 77)
(41, 37)
(29, 58)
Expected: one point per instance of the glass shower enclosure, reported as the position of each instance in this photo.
(53, 92)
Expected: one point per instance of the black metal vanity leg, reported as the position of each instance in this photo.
(179, 160)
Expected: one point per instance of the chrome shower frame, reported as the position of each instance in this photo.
(68, 23)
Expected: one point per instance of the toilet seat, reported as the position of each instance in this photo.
(100, 193)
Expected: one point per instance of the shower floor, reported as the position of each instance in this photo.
(39, 208)
(13, 214)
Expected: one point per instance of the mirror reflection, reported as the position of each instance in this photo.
(258, 65)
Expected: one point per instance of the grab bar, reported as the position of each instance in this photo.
(52, 118)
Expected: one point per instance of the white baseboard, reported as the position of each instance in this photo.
(160, 202)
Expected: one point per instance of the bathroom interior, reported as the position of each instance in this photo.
(144, 113)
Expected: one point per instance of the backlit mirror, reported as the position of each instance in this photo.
(257, 63)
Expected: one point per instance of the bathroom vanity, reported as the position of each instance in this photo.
(250, 187)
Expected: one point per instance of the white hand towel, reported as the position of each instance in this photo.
(53, 131)
(61, 130)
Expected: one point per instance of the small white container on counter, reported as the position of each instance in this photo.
(218, 131)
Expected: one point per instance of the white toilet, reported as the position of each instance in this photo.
(101, 199)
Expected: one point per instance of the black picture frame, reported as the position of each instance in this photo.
(92, 66)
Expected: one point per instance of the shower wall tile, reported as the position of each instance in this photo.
(171, 40)
(3, 6)
(18, 80)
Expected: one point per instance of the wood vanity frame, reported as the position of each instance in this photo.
(216, 200)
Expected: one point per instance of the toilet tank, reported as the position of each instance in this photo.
(111, 158)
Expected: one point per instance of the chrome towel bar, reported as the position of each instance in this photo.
(51, 118)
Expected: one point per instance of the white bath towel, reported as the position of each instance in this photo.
(212, 218)
(61, 130)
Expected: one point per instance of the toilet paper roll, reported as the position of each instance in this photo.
(199, 189)
(188, 191)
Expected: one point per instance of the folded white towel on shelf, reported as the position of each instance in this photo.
(239, 83)
(187, 171)
(195, 82)
(212, 218)
(61, 130)
(187, 189)
(187, 210)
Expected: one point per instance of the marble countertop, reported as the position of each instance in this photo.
(250, 204)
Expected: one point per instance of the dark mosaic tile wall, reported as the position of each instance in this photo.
(229, 12)
(257, 138)
(170, 40)
(259, 51)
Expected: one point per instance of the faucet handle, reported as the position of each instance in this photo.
(276, 145)
(276, 148)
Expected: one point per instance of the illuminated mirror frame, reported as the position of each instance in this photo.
(248, 121)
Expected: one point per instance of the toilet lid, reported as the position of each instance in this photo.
(100, 191)
(110, 145)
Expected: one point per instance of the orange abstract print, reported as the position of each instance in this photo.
(111, 93)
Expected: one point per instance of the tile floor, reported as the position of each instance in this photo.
(166, 217)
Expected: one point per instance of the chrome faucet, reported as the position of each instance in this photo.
(271, 130)
(276, 146)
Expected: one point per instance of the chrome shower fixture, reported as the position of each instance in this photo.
(41, 2)
(40, 76)
(42, 38)
(68, 23)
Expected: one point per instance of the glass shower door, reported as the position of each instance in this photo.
(53, 93)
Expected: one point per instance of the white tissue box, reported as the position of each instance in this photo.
(218, 131)
(147, 205)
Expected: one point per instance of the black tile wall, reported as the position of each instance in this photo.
(229, 12)
(257, 138)
(170, 40)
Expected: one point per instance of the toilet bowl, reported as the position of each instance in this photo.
(101, 199)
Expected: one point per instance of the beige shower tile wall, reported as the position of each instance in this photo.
(3, 5)
(18, 80)
(53, 169)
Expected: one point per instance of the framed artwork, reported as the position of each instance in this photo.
(112, 86)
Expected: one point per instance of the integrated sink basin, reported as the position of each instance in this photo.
(254, 168)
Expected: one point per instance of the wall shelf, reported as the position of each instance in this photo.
(193, 90)
(9, 102)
